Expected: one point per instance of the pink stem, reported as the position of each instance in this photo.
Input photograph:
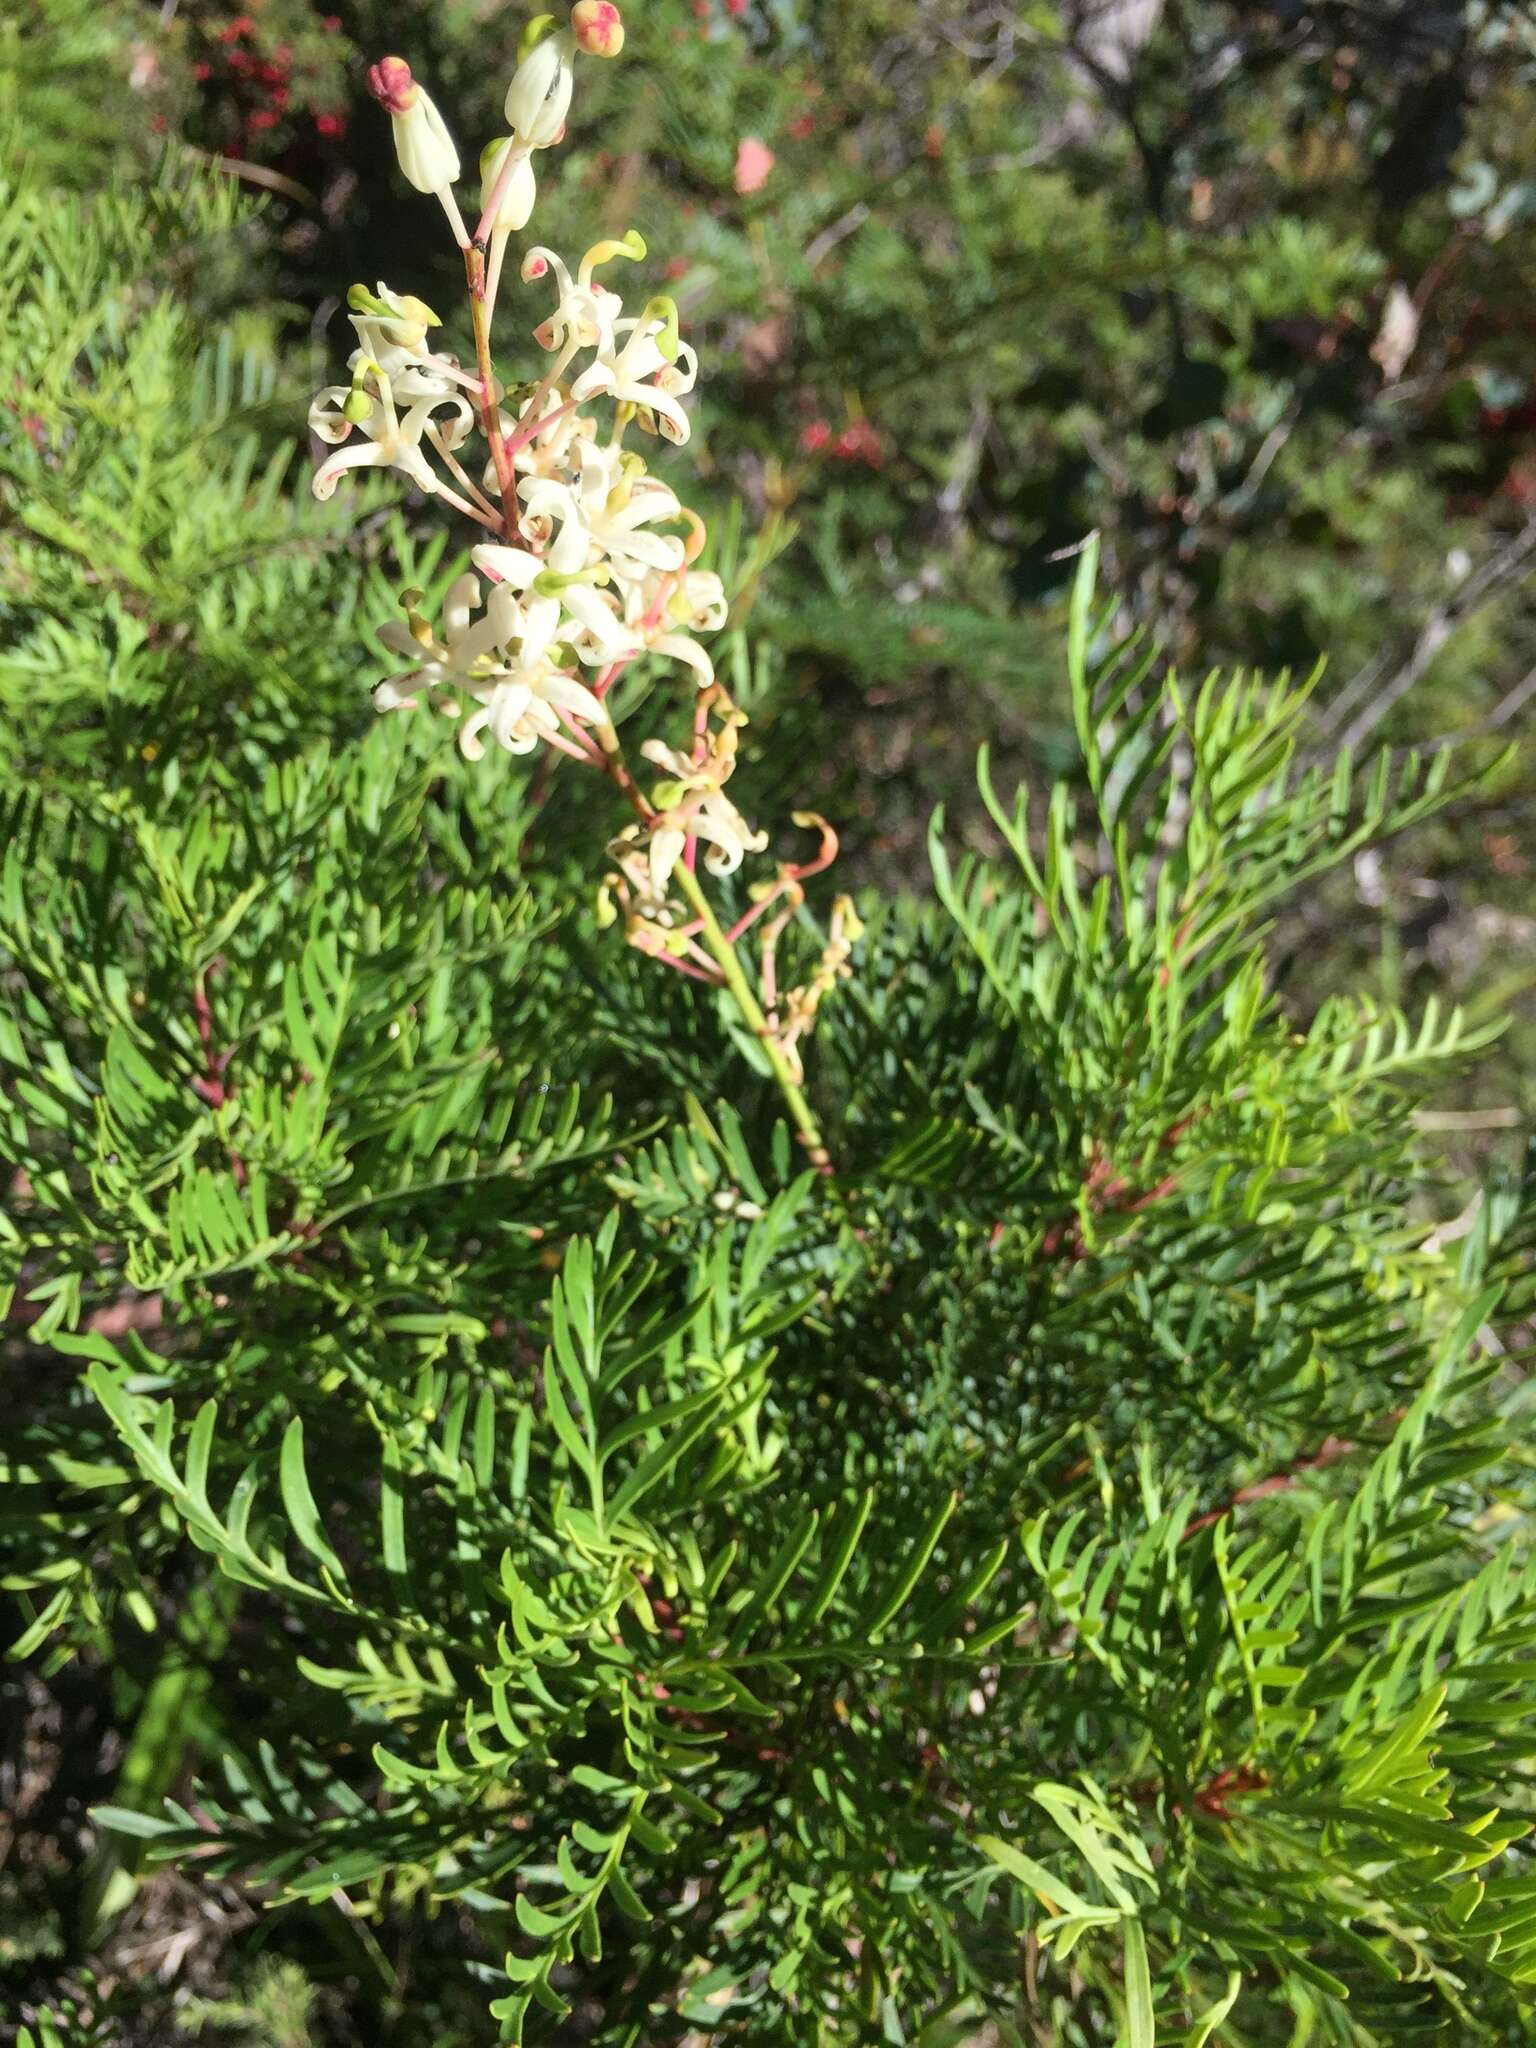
(768, 980)
(745, 923)
(610, 676)
(497, 194)
(531, 432)
(659, 602)
(470, 511)
(457, 469)
(590, 751)
(565, 746)
(711, 975)
(441, 367)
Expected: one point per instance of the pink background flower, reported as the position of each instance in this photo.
(754, 160)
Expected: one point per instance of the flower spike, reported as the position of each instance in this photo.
(589, 562)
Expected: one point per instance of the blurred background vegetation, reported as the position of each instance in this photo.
(1247, 289)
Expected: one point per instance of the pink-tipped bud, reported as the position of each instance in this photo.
(422, 143)
(392, 85)
(598, 27)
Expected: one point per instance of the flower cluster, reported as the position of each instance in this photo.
(859, 441)
(267, 84)
(587, 562)
(593, 561)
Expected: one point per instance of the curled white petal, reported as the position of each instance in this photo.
(606, 638)
(325, 416)
(462, 600)
(680, 648)
(395, 693)
(666, 850)
(514, 566)
(362, 455)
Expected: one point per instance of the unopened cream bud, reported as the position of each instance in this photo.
(539, 97)
(598, 27)
(518, 185)
(422, 143)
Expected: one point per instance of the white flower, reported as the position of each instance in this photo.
(560, 603)
(611, 504)
(422, 143)
(390, 323)
(586, 312)
(497, 661)
(539, 97)
(644, 364)
(644, 902)
(644, 905)
(665, 610)
(522, 707)
(700, 602)
(391, 437)
(441, 661)
(392, 330)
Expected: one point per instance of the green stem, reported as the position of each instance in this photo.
(168, 1726)
(752, 1012)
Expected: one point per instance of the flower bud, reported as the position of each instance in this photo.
(518, 190)
(539, 97)
(392, 85)
(402, 321)
(598, 27)
(422, 143)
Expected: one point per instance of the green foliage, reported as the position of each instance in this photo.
(276, 2011)
(156, 566)
(1064, 1578)
(780, 1598)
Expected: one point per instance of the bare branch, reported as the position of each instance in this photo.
(1508, 565)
